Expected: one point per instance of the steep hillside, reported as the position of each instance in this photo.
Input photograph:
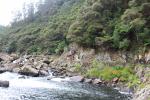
(46, 31)
(111, 24)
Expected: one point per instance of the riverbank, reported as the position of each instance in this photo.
(77, 63)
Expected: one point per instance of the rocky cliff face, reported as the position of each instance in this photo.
(77, 54)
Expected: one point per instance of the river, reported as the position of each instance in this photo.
(39, 88)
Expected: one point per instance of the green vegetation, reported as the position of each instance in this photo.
(46, 32)
(78, 67)
(113, 24)
(108, 73)
(2, 31)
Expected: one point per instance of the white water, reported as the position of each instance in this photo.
(57, 89)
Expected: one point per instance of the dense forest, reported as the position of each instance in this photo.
(53, 24)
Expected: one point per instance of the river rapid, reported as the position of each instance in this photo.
(39, 88)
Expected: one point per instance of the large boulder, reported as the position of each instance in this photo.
(29, 70)
(6, 57)
(77, 78)
(8, 67)
(4, 84)
(14, 56)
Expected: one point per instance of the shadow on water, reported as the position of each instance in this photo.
(41, 89)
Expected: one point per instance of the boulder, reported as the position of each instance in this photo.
(10, 65)
(14, 56)
(46, 61)
(97, 81)
(4, 84)
(115, 80)
(77, 78)
(43, 73)
(16, 70)
(22, 77)
(29, 71)
(5, 57)
(88, 80)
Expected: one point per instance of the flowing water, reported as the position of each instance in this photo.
(56, 89)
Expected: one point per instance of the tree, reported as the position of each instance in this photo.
(24, 11)
(30, 12)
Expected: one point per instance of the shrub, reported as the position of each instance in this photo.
(78, 67)
(120, 33)
(94, 71)
(12, 47)
(60, 47)
(137, 24)
(131, 14)
(97, 7)
(125, 74)
(124, 44)
(133, 81)
(33, 49)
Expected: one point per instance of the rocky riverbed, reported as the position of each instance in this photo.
(41, 66)
(44, 65)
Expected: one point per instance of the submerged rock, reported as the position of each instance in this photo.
(22, 77)
(4, 84)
